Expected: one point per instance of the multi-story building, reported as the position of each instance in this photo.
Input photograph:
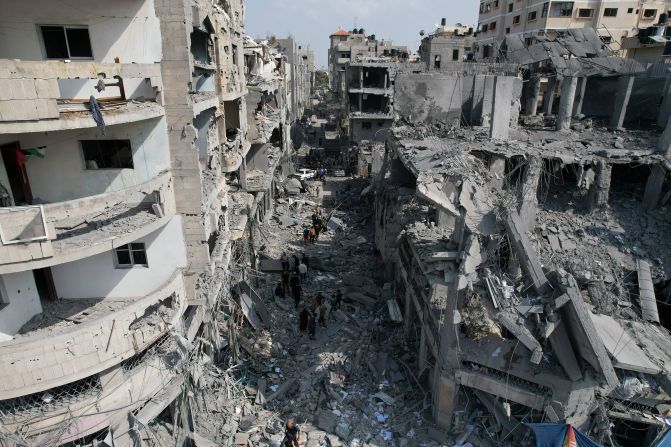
(348, 46)
(614, 20)
(447, 44)
(123, 126)
(301, 74)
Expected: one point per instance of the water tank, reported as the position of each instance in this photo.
(443, 22)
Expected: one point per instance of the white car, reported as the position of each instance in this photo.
(305, 174)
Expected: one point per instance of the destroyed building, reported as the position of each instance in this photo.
(137, 151)
(613, 20)
(447, 44)
(528, 253)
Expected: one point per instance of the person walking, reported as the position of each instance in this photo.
(284, 260)
(312, 235)
(337, 302)
(292, 434)
(296, 290)
(320, 309)
(305, 260)
(318, 229)
(312, 325)
(306, 236)
(297, 262)
(285, 281)
(303, 272)
(303, 318)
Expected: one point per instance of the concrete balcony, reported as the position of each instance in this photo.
(41, 236)
(44, 96)
(97, 334)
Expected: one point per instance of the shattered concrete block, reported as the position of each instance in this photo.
(327, 421)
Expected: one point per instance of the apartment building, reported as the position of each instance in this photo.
(301, 61)
(346, 47)
(614, 20)
(447, 44)
(124, 142)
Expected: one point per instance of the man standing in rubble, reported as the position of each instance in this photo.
(303, 271)
(296, 290)
(292, 434)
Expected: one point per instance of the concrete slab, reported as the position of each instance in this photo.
(621, 346)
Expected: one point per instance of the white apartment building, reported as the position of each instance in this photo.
(614, 20)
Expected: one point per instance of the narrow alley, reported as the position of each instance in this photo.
(354, 384)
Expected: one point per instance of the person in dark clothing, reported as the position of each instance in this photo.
(292, 434)
(279, 290)
(297, 263)
(338, 300)
(297, 290)
(312, 325)
(306, 235)
(303, 318)
(285, 262)
(285, 281)
(306, 260)
(318, 229)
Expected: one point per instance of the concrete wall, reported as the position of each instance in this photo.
(24, 302)
(61, 175)
(128, 29)
(166, 252)
(378, 127)
(428, 99)
(643, 104)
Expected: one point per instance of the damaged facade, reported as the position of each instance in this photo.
(130, 148)
(529, 253)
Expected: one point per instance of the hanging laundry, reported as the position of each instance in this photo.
(96, 114)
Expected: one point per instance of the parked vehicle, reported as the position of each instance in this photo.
(305, 174)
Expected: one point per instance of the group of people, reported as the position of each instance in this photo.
(311, 233)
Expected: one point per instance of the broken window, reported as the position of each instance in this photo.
(436, 61)
(516, 20)
(531, 16)
(234, 54)
(561, 9)
(585, 13)
(546, 6)
(492, 26)
(508, 30)
(482, 8)
(130, 255)
(630, 10)
(649, 13)
(366, 125)
(496, 3)
(107, 154)
(66, 42)
(610, 12)
(455, 55)
(485, 27)
(510, 7)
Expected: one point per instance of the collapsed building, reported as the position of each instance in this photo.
(529, 253)
(129, 176)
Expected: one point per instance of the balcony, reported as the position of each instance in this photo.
(44, 96)
(40, 236)
(76, 339)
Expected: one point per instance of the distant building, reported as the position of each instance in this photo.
(349, 46)
(447, 44)
(651, 44)
(613, 20)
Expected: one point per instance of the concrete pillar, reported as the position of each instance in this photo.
(528, 193)
(407, 312)
(580, 95)
(361, 77)
(487, 101)
(549, 96)
(478, 94)
(597, 197)
(566, 103)
(665, 107)
(624, 86)
(242, 174)
(444, 397)
(503, 95)
(532, 94)
(653, 188)
(386, 80)
(421, 355)
(664, 143)
(360, 102)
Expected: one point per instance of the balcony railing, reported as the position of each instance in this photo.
(40, 236)
(55, 93)
(104, 335)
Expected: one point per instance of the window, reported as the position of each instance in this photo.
(528, 41)
(482, 8)
(561, 9)
(496, 3)
(107, 154)
(485, 27)
(508, 30)
(130, 255)
(455, 55)
(343, 38)
(585, 13)
(66, 42)
(4, 302)
(510, 7)
(606, 39)
(630, 10)
(610, 12)
(531, 16)
(649, 13)
(366, 125)
(544, 13)
(516, 20)
(486, 51)
(436, 61)
(234, 54)
(492, 26)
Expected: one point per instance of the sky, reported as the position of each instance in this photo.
(311, 22)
